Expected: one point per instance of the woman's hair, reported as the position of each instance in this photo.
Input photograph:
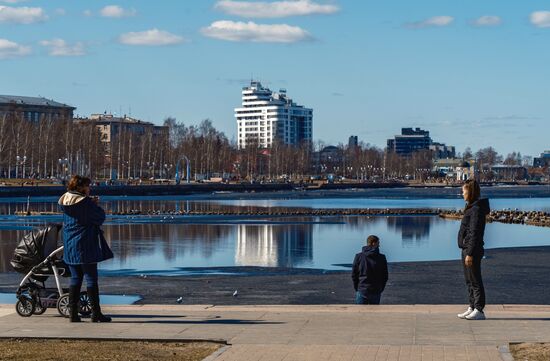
(77, 183)
(474, 192)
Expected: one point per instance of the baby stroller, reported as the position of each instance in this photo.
(38, 256)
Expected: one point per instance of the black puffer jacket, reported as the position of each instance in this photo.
(370, 271)
(472, 228)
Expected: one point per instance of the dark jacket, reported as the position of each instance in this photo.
(472, 228)
(83, 239)
(370, 271)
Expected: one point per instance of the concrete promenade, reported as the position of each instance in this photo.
(331, 332)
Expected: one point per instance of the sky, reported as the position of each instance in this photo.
(474, 73)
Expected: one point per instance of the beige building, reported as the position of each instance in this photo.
(111, 127)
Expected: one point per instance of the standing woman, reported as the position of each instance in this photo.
(84, 244)
(470, 240)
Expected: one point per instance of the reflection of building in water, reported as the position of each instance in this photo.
(132, 240)
(414, 230)
(274, 245)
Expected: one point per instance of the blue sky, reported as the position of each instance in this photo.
(474, 73)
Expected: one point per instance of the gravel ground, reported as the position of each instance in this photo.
(511, 276)
(531, 351)
(69, 350)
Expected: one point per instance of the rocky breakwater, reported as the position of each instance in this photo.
(290, 212)
(531, 218)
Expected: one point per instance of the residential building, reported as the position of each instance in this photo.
(508, 172)
(34, 109)
(410, 140)
(415, 139)
(442, 151)
(353, 142)
(112, 127)
(267, 116)
(543, 160)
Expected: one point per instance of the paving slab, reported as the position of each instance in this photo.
(329, 332)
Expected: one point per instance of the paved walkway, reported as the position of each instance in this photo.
(333, 332)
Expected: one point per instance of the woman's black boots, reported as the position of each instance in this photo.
(97, 316)
(74, 303)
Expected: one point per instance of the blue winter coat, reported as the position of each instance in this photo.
(83, 238)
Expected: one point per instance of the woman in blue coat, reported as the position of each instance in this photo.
(84, 244)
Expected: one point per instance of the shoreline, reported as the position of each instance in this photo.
(281, 191)
(511, 276)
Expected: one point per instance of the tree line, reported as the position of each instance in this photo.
(57, 149)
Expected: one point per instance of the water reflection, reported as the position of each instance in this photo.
(274, 245)
(310, 242)
(415, 231)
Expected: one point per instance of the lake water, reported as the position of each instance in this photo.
(181, 244)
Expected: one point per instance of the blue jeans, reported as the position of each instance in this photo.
(80, 271)
(367, 299)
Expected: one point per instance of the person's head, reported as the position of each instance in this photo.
(471, 191)
(373, 241)
(79, 184)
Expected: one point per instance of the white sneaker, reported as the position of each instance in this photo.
(476, 315)
(463, 315)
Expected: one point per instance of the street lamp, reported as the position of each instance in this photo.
(63, 162)
(20, 161)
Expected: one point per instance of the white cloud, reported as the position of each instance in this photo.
(60, 12)
(88, 12)
(541, 19)
(487, 20)
(115, 11)
(21, 15)
(153, 37)
(12, 1)
(250, 31)
(436, 21)
(9, 49)
(275, 9)
(59, 47)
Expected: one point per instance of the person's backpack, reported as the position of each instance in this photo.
(34, 247)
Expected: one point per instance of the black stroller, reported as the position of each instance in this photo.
(38, 256)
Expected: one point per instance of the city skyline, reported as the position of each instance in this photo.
(472, 74)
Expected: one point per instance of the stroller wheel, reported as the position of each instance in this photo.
(85, 306)
(38, 308)
(24, 307)
(63, 305)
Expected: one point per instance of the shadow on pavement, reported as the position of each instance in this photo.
(205, 322)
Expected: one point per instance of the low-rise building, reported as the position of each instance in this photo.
(506, 172)
(112, 127)
(543, 160)
(34, 109)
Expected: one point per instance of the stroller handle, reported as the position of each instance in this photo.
(48, 259)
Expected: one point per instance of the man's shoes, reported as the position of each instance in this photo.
(463, 315)
(476, 315)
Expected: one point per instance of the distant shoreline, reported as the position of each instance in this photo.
(282, 191)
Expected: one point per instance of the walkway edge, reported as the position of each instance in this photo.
(505, 353)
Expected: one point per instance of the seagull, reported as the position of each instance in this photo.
(235, 293)
(179, 300)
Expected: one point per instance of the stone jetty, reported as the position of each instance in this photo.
(531, 218)
(293, 212)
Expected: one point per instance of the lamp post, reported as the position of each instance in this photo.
(63, 162)
(20, 161)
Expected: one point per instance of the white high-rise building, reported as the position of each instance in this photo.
(266, 116)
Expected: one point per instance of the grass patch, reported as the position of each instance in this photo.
(70, 350)
(531, 351)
